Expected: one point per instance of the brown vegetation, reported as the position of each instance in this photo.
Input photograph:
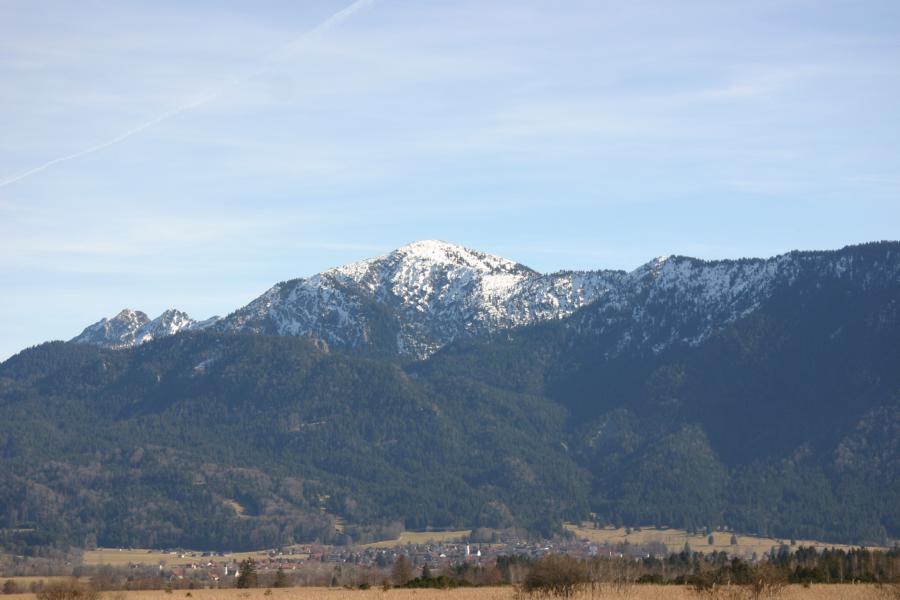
(557, 575)
(70, 589)
(636, 592)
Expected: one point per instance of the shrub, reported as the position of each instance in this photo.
(281, 579)
(768, 581)
(557, 575)
(67, 590)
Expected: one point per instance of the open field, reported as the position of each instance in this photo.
(123, 557)
(422, 537)
(641, 592)
(24, 582)
(674, 539)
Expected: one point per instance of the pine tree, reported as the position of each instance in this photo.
(247, 574)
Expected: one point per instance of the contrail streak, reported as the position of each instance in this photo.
(323, 27)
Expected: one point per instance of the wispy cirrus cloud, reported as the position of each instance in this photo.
(200, 99)
(613, 132)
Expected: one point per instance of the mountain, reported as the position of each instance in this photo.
(417, 299)
(702, 398)
(409, 302)
(133, 327)
(156, 445)
(759, 394)
(682, 300)
(120, 331)
(423, 296)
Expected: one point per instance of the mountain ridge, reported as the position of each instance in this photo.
(758, 395)
(420, 297)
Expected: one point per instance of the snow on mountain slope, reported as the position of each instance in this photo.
(117, 332)
(418, 298)
(133, 327)
(683, 300)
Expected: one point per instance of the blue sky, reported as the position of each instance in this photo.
(562, 135)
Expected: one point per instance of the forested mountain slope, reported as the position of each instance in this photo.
(763, 395)
(783, 420)
(153, 446)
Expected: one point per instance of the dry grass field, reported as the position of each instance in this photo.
(24, 582)
(642, 592)
(422, 537)
(118, 557)
(124, 557)
(674, 539)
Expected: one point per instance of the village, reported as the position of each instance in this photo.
(314, 564)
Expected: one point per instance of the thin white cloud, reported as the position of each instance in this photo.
(128, 237)
(200, 100)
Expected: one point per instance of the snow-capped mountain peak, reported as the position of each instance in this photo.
(417, 259)
(170, 322)
(418, 298)
(133, 327)
(116, 332)
(436, 252)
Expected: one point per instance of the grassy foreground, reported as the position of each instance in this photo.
(638, 592)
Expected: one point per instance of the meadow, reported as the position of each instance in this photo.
(117, 557)
(422, 537)
(674, 539)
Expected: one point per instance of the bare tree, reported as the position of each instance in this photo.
(402, 571)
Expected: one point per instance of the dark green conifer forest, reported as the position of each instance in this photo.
(784, 423)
